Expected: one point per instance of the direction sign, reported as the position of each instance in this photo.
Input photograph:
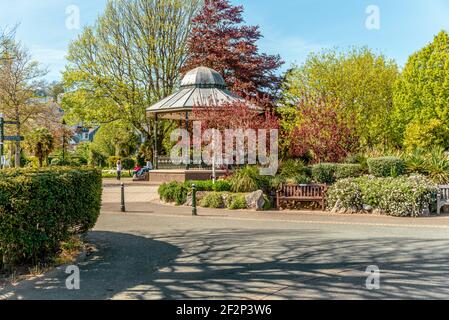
(7, 138)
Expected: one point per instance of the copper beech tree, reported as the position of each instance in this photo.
(321, 132)
(220, 41)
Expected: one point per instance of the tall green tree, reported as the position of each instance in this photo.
(361, 80)
(421, 97)
(40, 142)
(116, 139)
(127, 61)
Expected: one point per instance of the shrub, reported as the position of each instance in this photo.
(403, 196)
(221, 186)
(344, 171)
(167, 191)
(180, 193)
(292, 168)
(237, 202)
(324, 173)
(345, 194)
(128, 163)
(246, 179)
(275, 182)
(112, 161)
(386, 166)
(213, 200)
(437, 166)
(41, 208)
(302, 179)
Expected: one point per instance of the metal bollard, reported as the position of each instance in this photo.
(194, 210)
(123, 208)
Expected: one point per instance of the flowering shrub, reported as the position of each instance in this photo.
(403, 196)
(345, 194)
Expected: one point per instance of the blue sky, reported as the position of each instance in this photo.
(291, 28)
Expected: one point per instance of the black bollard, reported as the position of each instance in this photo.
(194, 210)
(123, 209)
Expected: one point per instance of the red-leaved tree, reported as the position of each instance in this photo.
(220, 41)
(322, 132)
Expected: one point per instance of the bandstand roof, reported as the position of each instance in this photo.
(199, 87)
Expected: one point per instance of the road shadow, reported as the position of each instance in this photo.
(251, 264)
(121, 261)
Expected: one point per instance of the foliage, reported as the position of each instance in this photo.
(426, 134)
(403, 196)
(437, 166)
(112, 161)
(40, 142)
(324, 173)
(213, 200)
(322, 131)
(359, 79)
(41, 208)
(116, 139)
(219, 40)
(237, 202)
(386, 166)
(167, 191)
(346, 194)
(302, 179)
(247, 179)
(20, 80)
(128, 163)
(343, 171)
(128, 60)
(421, 101)
(292, 168)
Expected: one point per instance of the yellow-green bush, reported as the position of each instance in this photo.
(41, 208)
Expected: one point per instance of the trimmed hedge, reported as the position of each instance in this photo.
(177, 192)
(386, 167)
(403, 196)
(41, 208)
(330, 172)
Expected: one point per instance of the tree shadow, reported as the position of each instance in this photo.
(251, 264)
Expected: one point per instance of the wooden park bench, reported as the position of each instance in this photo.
(302, 193)
(442, 197)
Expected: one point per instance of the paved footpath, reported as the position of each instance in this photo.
(162, 252)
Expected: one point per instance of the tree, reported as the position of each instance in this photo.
(322, 133)
(220, 41)
(421, 97)
(19, 84)
(127, 61)
(360, 80)
(40, 142)
(116, 139)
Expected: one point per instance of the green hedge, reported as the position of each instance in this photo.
(386, 167)
(176, 192)
(41, 208)
(330, 172)
(402, 196)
